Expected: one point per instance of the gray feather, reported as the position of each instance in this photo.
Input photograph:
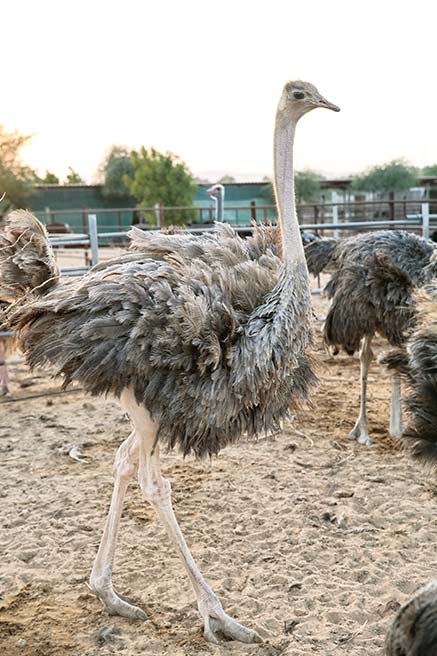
(212, 333)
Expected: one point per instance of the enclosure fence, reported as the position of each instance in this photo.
(96, 236)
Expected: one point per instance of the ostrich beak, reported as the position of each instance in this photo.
(322, 102)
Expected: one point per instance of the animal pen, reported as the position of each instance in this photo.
(340, 219)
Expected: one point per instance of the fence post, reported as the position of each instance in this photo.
(425, 220)
(253, 210)
(93, 237)
(335, 214)
(157, 215)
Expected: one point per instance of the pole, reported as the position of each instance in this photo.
(93, 237)
(335, 214)
(425, 220)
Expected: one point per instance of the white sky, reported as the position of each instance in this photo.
(203, 78)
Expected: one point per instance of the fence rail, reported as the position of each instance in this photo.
(120, 218)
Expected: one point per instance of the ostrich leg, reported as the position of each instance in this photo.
(157, 491)
(396, 408)
(360, 430)
(126, 466)
(4, 378)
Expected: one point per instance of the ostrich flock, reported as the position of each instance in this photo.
(207, 338)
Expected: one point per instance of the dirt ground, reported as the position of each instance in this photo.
(309, 538)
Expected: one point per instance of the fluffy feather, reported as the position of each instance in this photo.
(414, 630)
(372, 285)
(211, 332)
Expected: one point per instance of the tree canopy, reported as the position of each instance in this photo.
(73, 177)
(306, 187)
(396, 175)
(15, 177)
(430, 170)
(162, 178)
(227, 179)
(116, 165)
(49, 178)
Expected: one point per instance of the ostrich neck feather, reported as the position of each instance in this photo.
(291, 242)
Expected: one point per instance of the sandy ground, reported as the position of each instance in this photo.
(307, 537)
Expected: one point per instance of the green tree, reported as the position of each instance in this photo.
(116, 165)
(306, 187)
(49, 178)
(430, 170)
(227, 179)
(15, 177)
(396, 175)
(73, 177)
(165, 179)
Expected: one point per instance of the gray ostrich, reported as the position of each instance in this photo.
(203, 339)
(414, 630)
(217, 192)
(371, 291)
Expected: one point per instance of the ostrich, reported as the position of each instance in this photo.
(414, 630)
(217, 192)
(203, 339)
(371, 291)
(4, 377)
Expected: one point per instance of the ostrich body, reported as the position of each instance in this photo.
(202, 339)
(4, 376)
(418, 364)
(217, 192)
(371, 291)
(414, 630)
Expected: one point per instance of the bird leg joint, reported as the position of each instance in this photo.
(157, 491)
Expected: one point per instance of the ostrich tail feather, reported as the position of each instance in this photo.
(319, 255)
(27, 263)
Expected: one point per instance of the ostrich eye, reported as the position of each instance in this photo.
(299, 95)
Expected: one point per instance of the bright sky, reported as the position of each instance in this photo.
(202, 79)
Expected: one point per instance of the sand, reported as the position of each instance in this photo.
(309, 538)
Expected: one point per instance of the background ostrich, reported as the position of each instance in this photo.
(4, 377)
(217, 192)
(373, 277)
(202, 339)
(414, 630)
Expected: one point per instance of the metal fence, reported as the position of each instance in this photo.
(422, 222)
(320, 213)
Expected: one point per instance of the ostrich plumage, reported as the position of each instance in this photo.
(4, 376)
(211, 333)
(414, 629)
(417, 363)
(202, 339)
(372, 284)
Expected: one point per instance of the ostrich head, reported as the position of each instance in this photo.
(215, 191)
(298, 98)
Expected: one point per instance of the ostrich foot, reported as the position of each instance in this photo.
(4, 390)
(216, 621)
(360, 434)
(118, 604)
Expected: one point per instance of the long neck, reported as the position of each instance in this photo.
(219, 206)
(291, 242)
